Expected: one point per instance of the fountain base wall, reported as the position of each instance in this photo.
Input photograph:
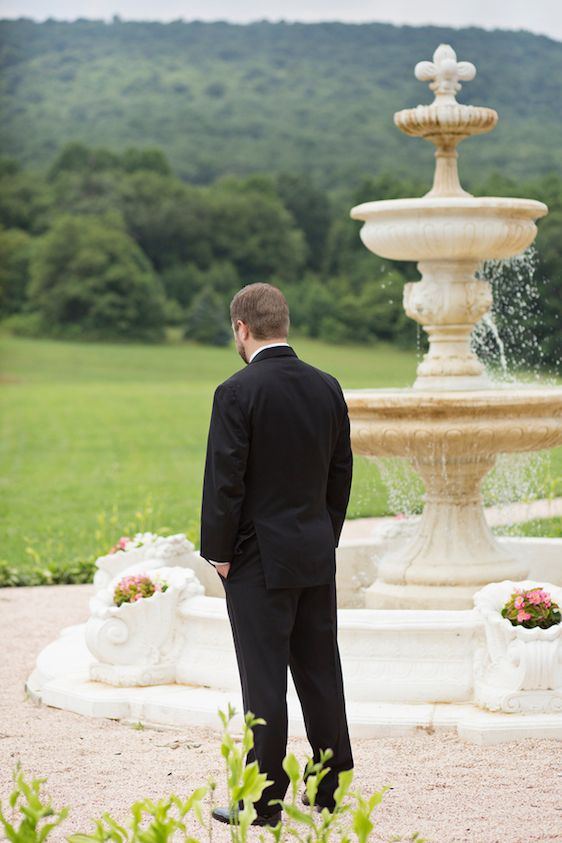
(404, 670)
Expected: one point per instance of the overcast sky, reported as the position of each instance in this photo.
(542, 16)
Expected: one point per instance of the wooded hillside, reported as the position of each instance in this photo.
(226, 99)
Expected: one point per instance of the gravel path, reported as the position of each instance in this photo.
(448, 790)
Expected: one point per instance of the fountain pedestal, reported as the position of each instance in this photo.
(453, 552)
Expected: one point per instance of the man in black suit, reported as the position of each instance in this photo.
(276, 489)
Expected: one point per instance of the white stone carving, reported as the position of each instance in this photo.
(139, 643)
(519, 670)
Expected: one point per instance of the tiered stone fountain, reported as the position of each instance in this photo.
(454, 422)
(415, 652)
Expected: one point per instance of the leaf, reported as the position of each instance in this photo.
(292, 768)
(298, 816)
(376, 798)
(345, 779)
(362, 825)
(312, 789)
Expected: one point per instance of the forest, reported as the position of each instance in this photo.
(150, 170)
(116, 246)
(222, 99)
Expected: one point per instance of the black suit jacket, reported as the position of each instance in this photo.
(279, 465)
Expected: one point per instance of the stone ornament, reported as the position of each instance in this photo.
(445, 122)
(444, 72)
(520, 670)
(139, 643)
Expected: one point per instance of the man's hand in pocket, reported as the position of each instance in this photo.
(223, 569)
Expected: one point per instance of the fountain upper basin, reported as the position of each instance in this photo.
(411, 423)
(464, 228)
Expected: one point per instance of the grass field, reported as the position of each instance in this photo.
(101, 440)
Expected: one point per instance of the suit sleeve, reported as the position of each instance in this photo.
(339, 476)
(223, 484)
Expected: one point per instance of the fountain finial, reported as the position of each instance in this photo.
(445, 122)
(445, 72)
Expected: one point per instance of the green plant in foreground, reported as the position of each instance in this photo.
(37, 818)
(165, 821)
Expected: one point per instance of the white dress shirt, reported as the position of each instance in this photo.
(256, 352)
(263, 347)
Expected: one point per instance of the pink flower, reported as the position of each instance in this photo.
(519, 602)
(522, 616)
(535, 597)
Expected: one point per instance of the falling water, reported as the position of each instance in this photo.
(403, 485)
(488, 324)
(506, 343)
(505, 339)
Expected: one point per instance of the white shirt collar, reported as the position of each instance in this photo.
(263, 347)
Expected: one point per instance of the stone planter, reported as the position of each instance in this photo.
(138, 643)
(169, 551)
(521, 669)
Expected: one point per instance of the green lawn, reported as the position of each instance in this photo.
(100, 440)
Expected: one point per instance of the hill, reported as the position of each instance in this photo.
(227, 99)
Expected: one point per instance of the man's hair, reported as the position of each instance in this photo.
(263, 309)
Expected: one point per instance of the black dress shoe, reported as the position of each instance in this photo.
(230, 816)
(317, 807)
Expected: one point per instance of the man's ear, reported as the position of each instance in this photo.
(242, 330)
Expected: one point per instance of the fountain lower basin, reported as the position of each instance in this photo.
(430, 426)
(451, 439)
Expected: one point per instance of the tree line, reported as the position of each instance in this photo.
(108, 245)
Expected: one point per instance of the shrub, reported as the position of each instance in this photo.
(26, 325)
(89, 279)
(52, 573)
(207, 321)
(15, 254)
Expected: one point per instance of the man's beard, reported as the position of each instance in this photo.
(241, 351)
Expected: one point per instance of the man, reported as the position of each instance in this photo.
(276, 489)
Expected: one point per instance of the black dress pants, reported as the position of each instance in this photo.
(274, 629)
